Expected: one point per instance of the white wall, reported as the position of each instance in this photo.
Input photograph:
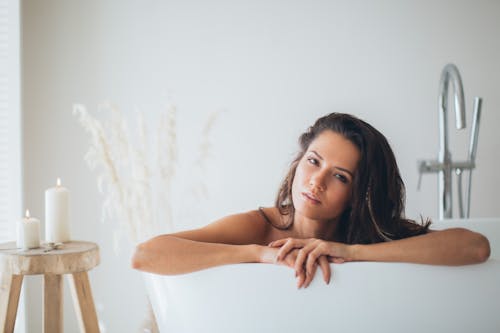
(274, 66)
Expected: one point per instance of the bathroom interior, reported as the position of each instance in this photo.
(267, 70)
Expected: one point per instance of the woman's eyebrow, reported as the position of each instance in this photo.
(336, 167)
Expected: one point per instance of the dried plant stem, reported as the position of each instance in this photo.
(137, 192)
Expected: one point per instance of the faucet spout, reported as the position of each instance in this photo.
(444, 166)
(449, 75)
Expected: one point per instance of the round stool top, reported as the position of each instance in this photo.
(69, 257)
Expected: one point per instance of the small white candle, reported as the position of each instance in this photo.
(57, 214)
(28, 232)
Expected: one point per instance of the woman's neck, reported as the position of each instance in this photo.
(304, 227)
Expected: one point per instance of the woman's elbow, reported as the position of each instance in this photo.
(483, 250)
(139, 258)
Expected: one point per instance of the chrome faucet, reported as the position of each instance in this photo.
(444, 166)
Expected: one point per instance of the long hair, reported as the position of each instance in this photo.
(376, 210)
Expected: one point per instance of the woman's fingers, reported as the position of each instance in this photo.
(299, 261)
(336, 260)
(322, 262)
(278, 243)
(300, 278)
(305, 255)
(325, 267)
(314, 258)
(284, 251)
(311, 259)
(310, 274)
(287, 246)
(308, 259)
(306, 264)
(289, 259)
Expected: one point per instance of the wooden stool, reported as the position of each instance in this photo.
(75, 258)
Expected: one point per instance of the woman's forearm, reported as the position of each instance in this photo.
(455, 246)
(171, 255)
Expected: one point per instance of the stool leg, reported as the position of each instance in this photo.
(10, 289)
(84, 303)
(53, 304)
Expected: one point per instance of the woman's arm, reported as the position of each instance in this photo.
(230, 240)
(456, 246)
(170, 255)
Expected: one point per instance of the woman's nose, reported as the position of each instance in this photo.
(317, 181)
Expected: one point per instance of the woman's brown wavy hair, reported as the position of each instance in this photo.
(376, 210)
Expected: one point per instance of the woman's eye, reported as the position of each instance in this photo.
(312, 161)
(342, 178)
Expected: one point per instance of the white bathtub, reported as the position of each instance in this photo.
(362, 297)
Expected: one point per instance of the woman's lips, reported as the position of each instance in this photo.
(311, 198)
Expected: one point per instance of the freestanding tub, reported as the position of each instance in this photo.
(361, 297)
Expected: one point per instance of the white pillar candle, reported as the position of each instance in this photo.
(28, 233)
(57, 214)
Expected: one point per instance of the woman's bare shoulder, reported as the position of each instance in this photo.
(241, 228)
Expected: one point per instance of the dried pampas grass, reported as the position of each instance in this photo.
(137, 168)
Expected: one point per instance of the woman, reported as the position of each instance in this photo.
(342, 200)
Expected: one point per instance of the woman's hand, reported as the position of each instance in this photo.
(309, 254)
(289, 260)
(270, 255)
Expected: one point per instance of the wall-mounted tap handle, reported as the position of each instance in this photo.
(427, 166)
(473, 147)
(475, 129)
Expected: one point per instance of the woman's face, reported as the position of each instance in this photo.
(322, 186)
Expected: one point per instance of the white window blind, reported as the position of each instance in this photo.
(10, 117)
